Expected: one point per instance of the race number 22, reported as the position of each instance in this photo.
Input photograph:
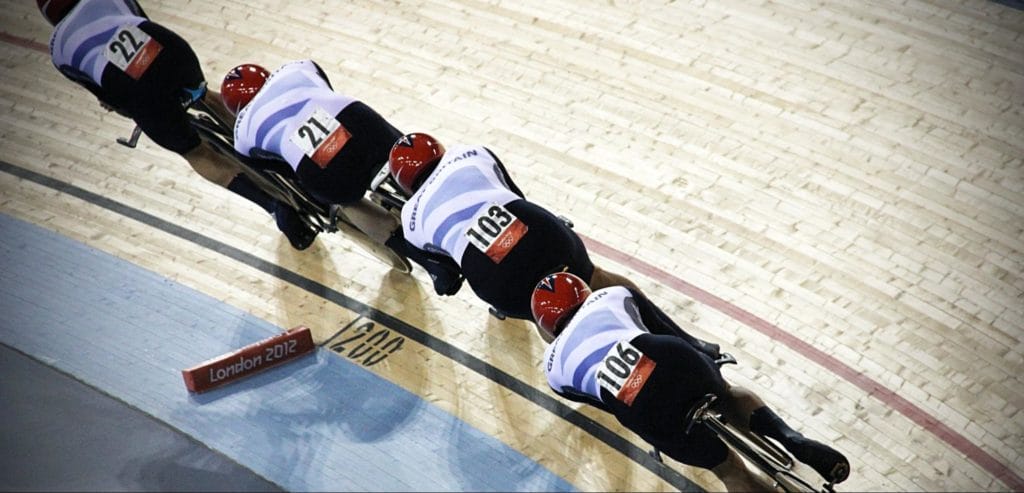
(132, 50)
(494, 231)
(624, 371)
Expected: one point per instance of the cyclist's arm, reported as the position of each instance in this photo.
(80, 78)
(257, 153)
(505, 176)
(577, 396)
(136, 8)
(322, 74)
(266, 160)
(659, 323)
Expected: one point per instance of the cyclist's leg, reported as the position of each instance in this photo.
(166, 123)
(213, 166)
(226, 172)
(738, 404)
(603, 278)
(681, 375)
(214, 102)
(736, 476)
(384, 229)
(748, 412)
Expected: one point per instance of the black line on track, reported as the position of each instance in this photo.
(485, 369)
(1015, 4)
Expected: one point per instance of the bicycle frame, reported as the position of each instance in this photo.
(275, 178)
(385, 192)
(278, 179)
(765, 456)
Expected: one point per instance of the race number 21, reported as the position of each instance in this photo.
(494, 230)
(321, 137)
(624, 371)
(132, 50)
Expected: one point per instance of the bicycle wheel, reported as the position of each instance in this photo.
(791, 483)
(383, 253)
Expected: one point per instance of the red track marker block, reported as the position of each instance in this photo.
(248, 360)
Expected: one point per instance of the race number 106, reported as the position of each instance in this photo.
(624, 372)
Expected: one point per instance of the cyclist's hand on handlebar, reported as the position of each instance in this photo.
(447, 281)
(714, 351)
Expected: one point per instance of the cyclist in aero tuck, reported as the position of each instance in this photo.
(334, 143)
(615, 350)
(463, 204)
(145, 72)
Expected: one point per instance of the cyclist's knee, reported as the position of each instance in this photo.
(209, 164)
(700, 448)
(602, 279)
(738, 404)
(735, 475)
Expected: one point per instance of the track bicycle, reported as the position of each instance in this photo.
(768, 457)
(278, 179)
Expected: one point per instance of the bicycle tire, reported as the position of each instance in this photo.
(381, 252)
(790, 482)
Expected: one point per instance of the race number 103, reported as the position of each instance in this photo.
(494, 231)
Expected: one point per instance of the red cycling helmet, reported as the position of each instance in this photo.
(412, 158)
(555, 297)
(241, 85)
(55, 10)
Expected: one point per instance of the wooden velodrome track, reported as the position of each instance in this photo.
(832, 190)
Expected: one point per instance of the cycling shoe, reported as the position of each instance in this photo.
(299, 234)
(832, 465)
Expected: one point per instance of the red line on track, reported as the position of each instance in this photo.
(916, 414)
(23, 42)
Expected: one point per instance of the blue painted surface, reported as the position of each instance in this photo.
(320, 423)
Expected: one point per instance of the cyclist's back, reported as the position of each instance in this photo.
(131, 64)
(613, 349)
(335, 143)
(146, 72)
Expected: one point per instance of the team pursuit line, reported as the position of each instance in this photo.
(496, 375)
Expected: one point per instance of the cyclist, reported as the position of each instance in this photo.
(463, 204)
(615, 350)
(146, 72)
(334, 143)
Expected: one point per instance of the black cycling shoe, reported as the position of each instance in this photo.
(299, 234)
(832, 465)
